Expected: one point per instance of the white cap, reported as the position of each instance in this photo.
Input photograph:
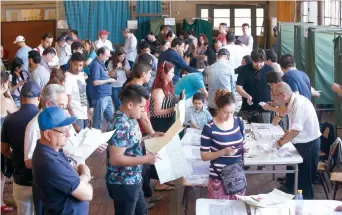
(19, 39)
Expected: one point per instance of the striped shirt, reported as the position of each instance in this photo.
(168, 102)
(214, 139)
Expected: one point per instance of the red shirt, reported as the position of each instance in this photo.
(222, 38)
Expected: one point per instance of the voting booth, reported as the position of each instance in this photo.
(300, 35)
(320, 61)
(285, 38)
(338, 78)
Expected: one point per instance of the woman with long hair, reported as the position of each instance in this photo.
(198, 52)
(19, 77)
(7, 107)
(162, 108)
(120, 68)
(57, 76)
(223, 144)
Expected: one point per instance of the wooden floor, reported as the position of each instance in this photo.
(171, 202)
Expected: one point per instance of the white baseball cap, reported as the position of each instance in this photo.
(19, 39)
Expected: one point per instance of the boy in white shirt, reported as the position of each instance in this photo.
(75, 88)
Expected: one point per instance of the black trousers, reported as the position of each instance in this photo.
(128, 199)
(308, 169)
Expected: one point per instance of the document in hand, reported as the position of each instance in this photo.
(81, 146)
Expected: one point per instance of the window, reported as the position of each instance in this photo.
(30, 14)
(242, 15)
(221, 16)
(305, 11)
(205, 14)
(332, 12)
(259, 21)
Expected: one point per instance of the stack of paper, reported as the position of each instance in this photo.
(267, 131)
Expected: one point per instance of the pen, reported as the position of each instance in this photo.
(255, 199)
(153, 154)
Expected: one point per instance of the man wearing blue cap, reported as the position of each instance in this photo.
(13, 134)
(61, 188)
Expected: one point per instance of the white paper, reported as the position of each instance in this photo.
(220, 207)
(192, 152)
(81, 146)
(132, 24)
(170, 21)
(172, 163)
(180, 111)
(267, 131)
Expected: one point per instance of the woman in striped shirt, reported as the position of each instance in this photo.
(162, 110)
(222, 143)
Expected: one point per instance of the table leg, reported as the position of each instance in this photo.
(273, 178)
(187, 191)
(295, 185)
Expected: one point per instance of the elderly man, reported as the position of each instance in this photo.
(304, 133)
(12, 146)
(102, 88)
(103, 42)
(62, 188)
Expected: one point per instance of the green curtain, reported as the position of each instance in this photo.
(300, 35)
(200, 27)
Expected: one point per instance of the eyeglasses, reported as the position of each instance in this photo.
(62, 132)
(61, 106)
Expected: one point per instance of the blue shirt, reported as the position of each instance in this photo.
(22, 53)
(191, 83)
(127, 135)
(92, 55)
(13, 133)
(254, 83)
(214, 139)
(298, 81)
(173, 57)
(54, 181)
(201, 118)
(98, 71)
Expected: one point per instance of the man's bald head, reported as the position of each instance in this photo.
(282, 92)
(282, 87)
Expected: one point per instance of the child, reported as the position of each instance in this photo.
(199, 116)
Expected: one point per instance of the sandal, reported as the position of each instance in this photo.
(6, 209)
(167, 188)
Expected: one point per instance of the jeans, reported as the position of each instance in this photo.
(308, 169)
(131, 64)
(23, 198)
(128, 199)
(102, 107)
(115, 97)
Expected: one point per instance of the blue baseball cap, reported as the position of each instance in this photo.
(30, 90)
(54, 117)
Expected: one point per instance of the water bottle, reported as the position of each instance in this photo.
(299, 203)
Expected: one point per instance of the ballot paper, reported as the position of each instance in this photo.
(267, 131)
(220, 207)
(171, 163)
(192, 152)
(265, 200)
(83, 144)
(192, 137)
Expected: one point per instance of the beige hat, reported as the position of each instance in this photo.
(19, 39)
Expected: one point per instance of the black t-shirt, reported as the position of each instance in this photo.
(13, 133)
(211, 54)
(154, 45)
(254, 83)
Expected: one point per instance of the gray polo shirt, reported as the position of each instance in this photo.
(220, 76)
(247, 40)
(44, 64)
(41, 76)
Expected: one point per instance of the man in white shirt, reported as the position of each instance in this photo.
(304, 133)
(246, 38)
(64, 52)
(75, 88)
(102, 41)
(237, 52)
(130, 47)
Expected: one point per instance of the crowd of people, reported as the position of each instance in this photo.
(51, 93)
